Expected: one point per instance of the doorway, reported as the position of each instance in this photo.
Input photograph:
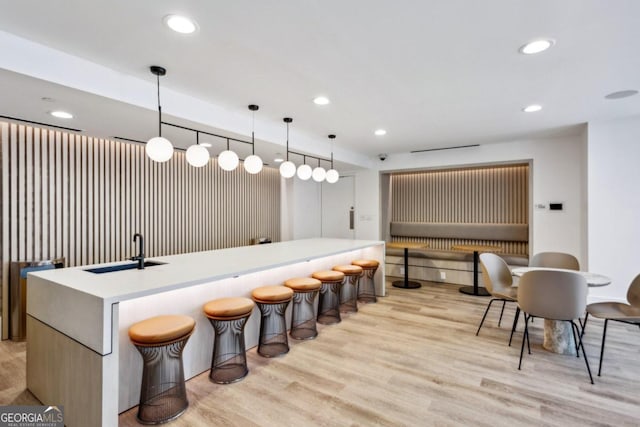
(338, 208)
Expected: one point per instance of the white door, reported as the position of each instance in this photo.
(338, 202)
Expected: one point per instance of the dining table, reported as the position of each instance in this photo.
(406, 283)
(558, 336)
(476, 249)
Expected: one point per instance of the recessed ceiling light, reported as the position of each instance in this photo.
(180, 24)
(380, 132)
(532, 108)
(321, 100)
(536, 46)
(61, 114)
(622, 94)
(205, 144)
(278, 158)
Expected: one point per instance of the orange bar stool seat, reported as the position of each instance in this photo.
(349, 290)
(161, 340)
(329, 303)
(272, 302)
(228, 316)
(303, 318)
(367, 288)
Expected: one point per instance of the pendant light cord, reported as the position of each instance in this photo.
(332, 137)
(159, 107)
(253, 128)
(287, 141)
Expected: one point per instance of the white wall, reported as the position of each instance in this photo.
(557, 174)
(367, 223)
(301, 209)
(614, 203)
(305, 209)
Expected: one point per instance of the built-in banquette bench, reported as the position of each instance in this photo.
(439, 262)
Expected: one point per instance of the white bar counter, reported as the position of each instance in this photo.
(78, 350)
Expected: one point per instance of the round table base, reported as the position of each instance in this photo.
(482, 292)
(409, 285)
(558, 337)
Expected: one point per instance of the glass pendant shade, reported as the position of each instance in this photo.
(159, 149)
(228, 160)
(304, 172)
(197, 156)
(319, 174)
(287, 169)
(253, 164)
(332, 176)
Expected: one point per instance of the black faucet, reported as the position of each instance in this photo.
(140, 256)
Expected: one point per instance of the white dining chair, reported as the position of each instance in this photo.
(554, 295)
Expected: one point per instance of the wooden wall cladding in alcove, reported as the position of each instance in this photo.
(490, 194)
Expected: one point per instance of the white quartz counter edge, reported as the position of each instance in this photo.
(194, 268)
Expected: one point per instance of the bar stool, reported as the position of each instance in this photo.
(303, 319)
(349, 290)
(228, 316)
(367, 288)
(329, 304)
(160, 340)
(272, 302)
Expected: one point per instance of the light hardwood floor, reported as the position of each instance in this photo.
(411, 359)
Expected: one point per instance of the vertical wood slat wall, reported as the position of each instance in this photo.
(496, 195)
(82, 198)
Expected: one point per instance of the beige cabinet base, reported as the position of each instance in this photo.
(60, 371)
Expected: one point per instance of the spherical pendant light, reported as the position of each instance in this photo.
(332, 176)
(319, 174)
(287, 169)
(197, 156)
(228, 160)
(159, 149)
(253, 164)
(304, 172)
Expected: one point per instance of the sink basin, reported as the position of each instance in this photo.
(129, 266)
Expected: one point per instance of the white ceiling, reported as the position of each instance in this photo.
(432, 73)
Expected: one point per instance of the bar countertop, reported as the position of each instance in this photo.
(56, 295)
(197, 267)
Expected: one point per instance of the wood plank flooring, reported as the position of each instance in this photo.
(411, 359)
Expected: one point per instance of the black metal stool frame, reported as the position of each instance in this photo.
(229, 361)
(273, 340)
(163, 395)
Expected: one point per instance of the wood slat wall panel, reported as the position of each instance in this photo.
(83, 198)
(481, 195)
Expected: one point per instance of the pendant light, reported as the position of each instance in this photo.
(253, 163)
(319, 174)
(228, 160)
(288, 168)
(304, 170)
(197, 155)
(332, 174)
(159, 149)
